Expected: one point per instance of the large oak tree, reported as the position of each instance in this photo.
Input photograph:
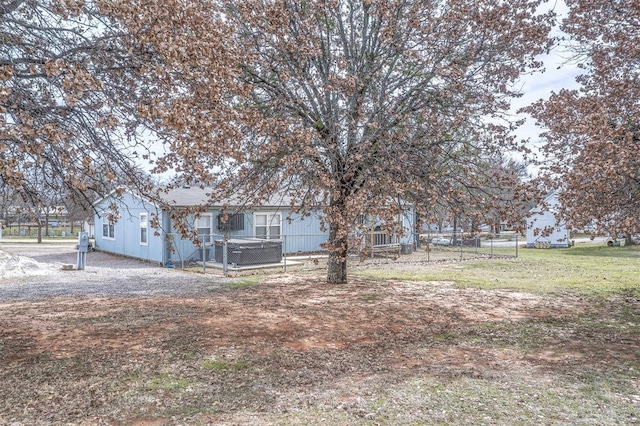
(352, 106)
(593, 137)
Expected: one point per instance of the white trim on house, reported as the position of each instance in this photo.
(116, 194)
(144, 229)
(108, 228)
(200, 223)
(264, 224)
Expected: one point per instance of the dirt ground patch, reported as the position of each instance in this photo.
(292, 350)
(286, 311)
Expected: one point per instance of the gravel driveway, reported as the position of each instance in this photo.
(105, 275)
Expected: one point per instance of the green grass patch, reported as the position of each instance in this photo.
(624, 252)
(30, 239)
(166, 382)
(592, 269)
(221, 365)
(369, 297)
(446, 337)
(514, 401)
(245, 282)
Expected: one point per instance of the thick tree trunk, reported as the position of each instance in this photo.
(337, 267)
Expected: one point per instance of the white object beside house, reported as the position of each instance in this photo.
(545, 228)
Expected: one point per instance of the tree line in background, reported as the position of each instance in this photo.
(355, 106)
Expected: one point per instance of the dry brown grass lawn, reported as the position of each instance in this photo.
(292, 350)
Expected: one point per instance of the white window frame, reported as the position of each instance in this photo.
(272, 219)
(110, 233)
(144, 225)
(208, 237)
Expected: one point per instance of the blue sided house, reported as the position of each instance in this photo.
(132, 225)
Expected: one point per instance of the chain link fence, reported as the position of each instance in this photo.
(306, 252)
(32, 231)
(438, 247)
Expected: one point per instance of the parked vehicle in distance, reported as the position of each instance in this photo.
(621, 240)
(440, 241)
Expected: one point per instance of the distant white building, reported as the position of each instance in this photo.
(545, 229)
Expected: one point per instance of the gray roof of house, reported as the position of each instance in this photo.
(197, 196)
(187, 196)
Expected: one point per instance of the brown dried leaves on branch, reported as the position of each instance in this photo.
(66, 85)
(593, 136)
